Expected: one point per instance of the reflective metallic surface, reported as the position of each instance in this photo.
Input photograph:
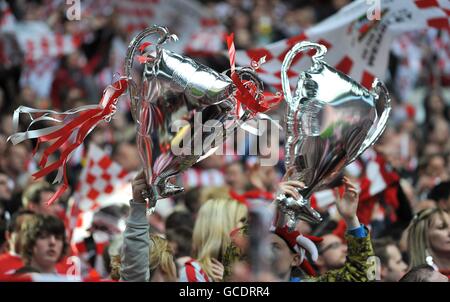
(330, 121)
(173, 91)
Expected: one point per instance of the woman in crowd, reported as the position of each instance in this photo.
(429, 239)
(162, 266)
(211, 236)
(216, 219)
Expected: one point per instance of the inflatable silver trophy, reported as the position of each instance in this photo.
(330, 121)
(175, 96)
(183, 111)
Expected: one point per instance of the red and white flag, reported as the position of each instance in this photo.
(189, 20)
(102, 183)
(38, 41)
(357, 45)
(197, 177)
(7, 19)
(377, 179)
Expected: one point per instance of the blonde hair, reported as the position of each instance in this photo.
(211, 235)
(160, 257)
(418, 230)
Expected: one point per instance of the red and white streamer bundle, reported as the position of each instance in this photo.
(68, 133)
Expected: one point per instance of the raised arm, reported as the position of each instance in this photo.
(135, 249)
(359, 260)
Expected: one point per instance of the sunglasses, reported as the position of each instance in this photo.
(331, 246)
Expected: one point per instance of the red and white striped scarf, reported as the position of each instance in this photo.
(193, 272)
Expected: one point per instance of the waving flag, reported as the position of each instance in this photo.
(356, 45)
(196, 30)
(377, 183)
(35, 38)
(102, 183)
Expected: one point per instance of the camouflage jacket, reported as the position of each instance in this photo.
(358, 265)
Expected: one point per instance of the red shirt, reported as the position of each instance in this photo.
(9, 263)
(445, 272)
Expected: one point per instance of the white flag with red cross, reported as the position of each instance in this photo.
(358, 42)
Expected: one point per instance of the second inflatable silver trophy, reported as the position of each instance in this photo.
(330, 121)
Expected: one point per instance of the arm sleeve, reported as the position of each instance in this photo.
(359, 263)
(135, 249)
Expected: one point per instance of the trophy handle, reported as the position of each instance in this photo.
(299, 47)
(132, 47)
(380, 90)
(291, 106)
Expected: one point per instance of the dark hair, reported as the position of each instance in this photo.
(427, 107)
(41, 225)
(440, 191)
(183, 238)
(380, 249)
(25, 270)
(179, 219)
(192, 199)
(420, 273)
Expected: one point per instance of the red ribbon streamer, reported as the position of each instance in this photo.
(85, 122)
(243, 95)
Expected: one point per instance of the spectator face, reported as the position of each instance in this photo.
(5, 189)
(333, 252)
(47, 252)
(439, 235)
(14, 161)
(128, 157)
(235, 177)
(436, 166)
(440, 133)
(42, 207)
(268, 177)
(396, 267)
(436, 104)
(284, 258)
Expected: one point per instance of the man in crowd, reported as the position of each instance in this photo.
(441, 195)
(36, 196)
(392, 266)
(43, 244)
(424, 273)
(332, 253)
(235, 176)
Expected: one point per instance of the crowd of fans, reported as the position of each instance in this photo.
(202, 234)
